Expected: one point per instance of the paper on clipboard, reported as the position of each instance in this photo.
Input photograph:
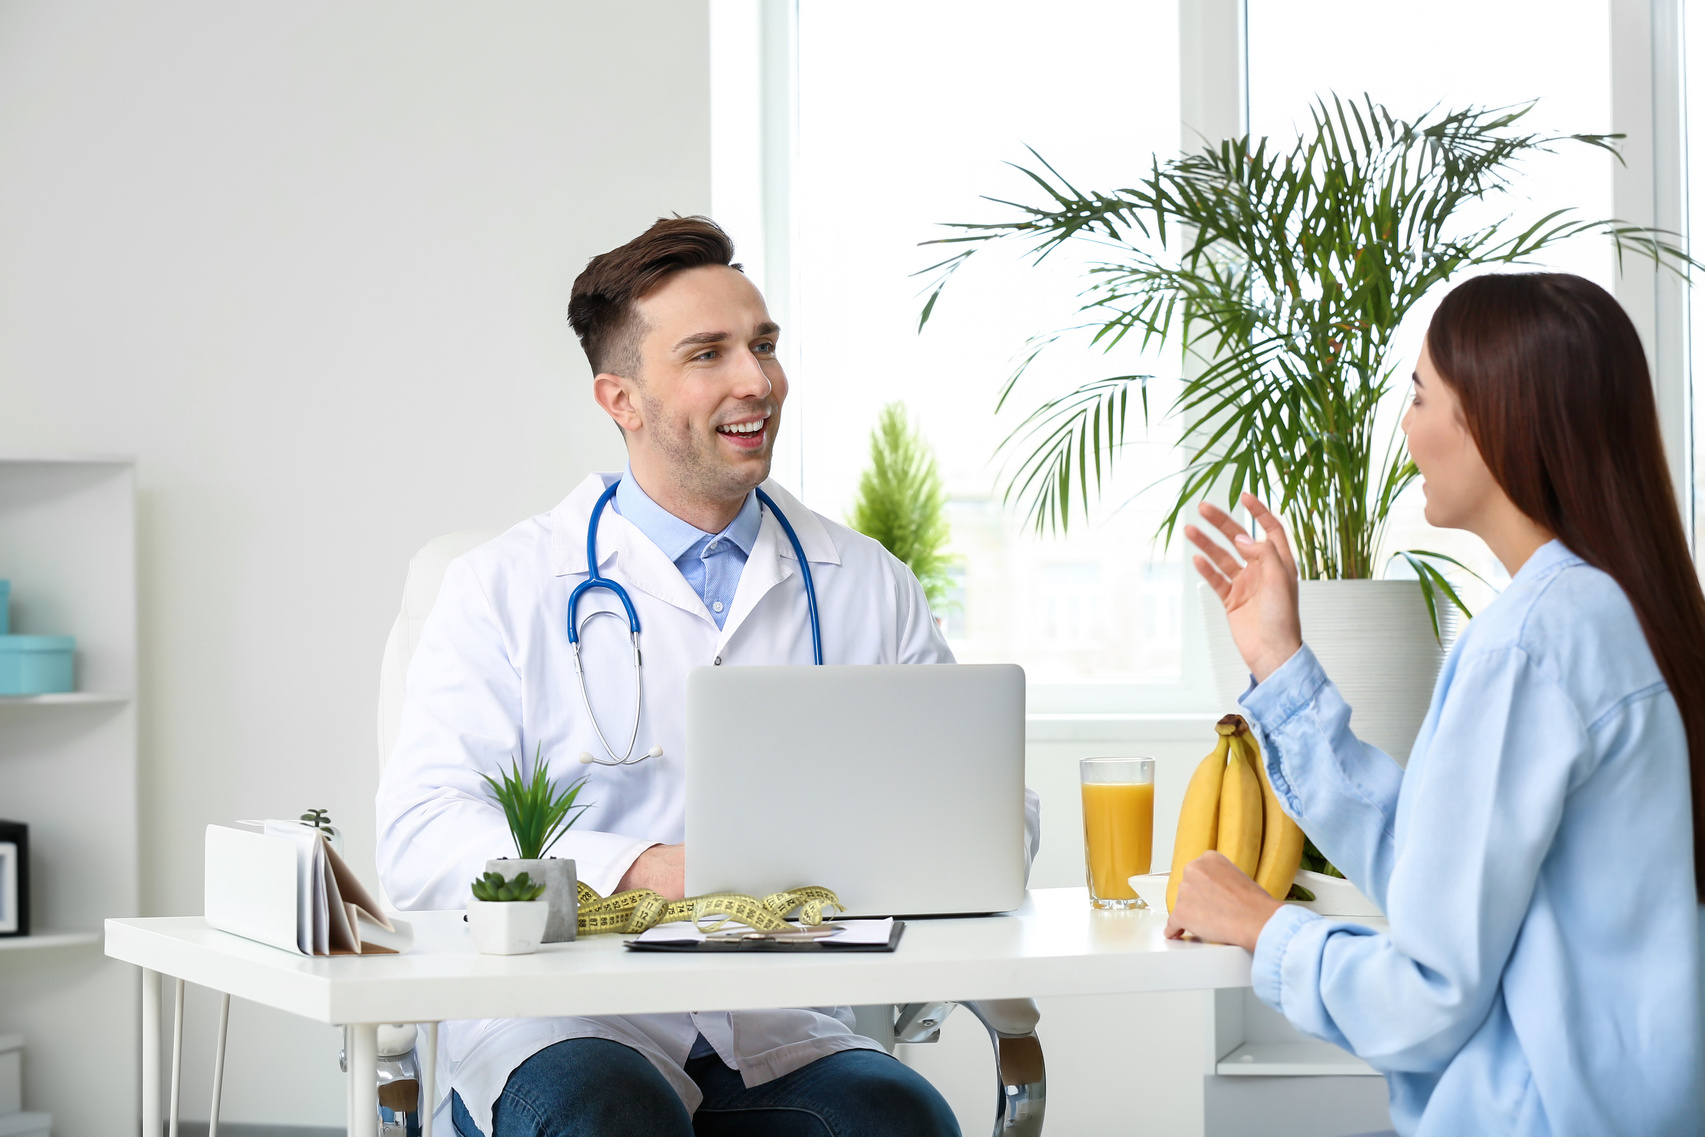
(286, 887)
(870, 933)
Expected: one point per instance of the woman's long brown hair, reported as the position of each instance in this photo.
(1556, 394)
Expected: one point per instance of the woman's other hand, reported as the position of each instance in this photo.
(1216, 902)
(1260, 592)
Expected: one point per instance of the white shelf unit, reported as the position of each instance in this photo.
(68, 769)
(1301, 1058)
(1261, 1075)
(66, 699)
(49, 940)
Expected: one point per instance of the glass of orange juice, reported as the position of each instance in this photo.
(1118, 827)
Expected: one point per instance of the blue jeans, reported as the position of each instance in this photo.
(592, 1087)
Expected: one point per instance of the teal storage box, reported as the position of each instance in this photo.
(36, 665)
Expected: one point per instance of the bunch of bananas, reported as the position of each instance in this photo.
(1230, 806)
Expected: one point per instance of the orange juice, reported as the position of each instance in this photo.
(1118, 836)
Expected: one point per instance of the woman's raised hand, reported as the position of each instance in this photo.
(1259, 591)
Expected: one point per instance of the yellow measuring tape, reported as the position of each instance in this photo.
(634, 911)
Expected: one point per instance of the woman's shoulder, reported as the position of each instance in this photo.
(1574, 623)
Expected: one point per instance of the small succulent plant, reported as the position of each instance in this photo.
(492, 886)
(318, 819)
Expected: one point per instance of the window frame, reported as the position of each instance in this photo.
(754, 136)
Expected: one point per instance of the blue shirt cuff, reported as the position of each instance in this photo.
(1285, 692)
(1266, 972)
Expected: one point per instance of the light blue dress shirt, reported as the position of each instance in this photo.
(1541, 975)
(711, 562)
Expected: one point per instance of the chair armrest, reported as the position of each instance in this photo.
(1009, 1017)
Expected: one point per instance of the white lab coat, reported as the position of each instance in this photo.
(493, 678)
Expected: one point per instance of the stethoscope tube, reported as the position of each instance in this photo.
(804, 574)
(594, 580)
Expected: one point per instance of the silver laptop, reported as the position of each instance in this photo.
(900, 787)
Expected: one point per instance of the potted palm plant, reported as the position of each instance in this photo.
(539, 814)
(1284, 274)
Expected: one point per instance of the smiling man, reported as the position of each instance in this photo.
(683, 353)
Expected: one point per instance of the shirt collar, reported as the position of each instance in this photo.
(1553, 554)
(674, 536)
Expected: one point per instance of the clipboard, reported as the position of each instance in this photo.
(759, 943)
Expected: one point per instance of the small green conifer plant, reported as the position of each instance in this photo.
(902, 503)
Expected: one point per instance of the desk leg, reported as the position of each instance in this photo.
(219, 1065)
(150, 1053)
(363, 1080)
(177, 1054)
(428, 1079)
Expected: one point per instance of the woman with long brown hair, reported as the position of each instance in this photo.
(1539, 859)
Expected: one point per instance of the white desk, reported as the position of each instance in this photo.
(1054, 945)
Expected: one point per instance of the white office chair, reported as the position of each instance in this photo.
(1020, 1077)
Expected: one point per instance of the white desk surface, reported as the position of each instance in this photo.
(1054, 945)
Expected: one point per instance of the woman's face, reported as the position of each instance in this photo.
(1458, 486)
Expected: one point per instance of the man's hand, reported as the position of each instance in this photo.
(661, 868)
(1217, 902)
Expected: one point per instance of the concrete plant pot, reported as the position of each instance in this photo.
(1375, 642)
(561, 889)
(507, 927)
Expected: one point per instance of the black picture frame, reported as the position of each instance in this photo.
(19, 835)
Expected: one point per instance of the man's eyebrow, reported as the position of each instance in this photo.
(698, 338)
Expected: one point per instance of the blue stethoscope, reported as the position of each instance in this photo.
(595, 580)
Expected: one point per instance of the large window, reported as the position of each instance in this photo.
(904, 116)
(1561, 63)
(897, 133)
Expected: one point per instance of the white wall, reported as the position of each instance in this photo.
(308, 262)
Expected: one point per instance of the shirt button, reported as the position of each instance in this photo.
(717, 661)
(712, 547)
(716, 607)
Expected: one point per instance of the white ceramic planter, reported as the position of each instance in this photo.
(507, 927)
(1375, 641)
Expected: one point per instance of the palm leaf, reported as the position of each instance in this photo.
(1285, 270)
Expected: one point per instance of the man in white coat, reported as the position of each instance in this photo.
(683, 352)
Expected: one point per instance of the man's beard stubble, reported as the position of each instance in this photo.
(695, 463)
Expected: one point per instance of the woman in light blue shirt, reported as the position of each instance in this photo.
(1538, 859)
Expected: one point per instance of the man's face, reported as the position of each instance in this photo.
(709, 390)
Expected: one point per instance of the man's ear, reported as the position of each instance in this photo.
(615, 395)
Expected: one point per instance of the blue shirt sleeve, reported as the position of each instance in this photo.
(1451, 850)
(1341, 790)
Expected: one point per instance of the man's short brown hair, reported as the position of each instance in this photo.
(601, 306)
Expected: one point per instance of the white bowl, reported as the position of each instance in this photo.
(1151, 887)
(1333, 896)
